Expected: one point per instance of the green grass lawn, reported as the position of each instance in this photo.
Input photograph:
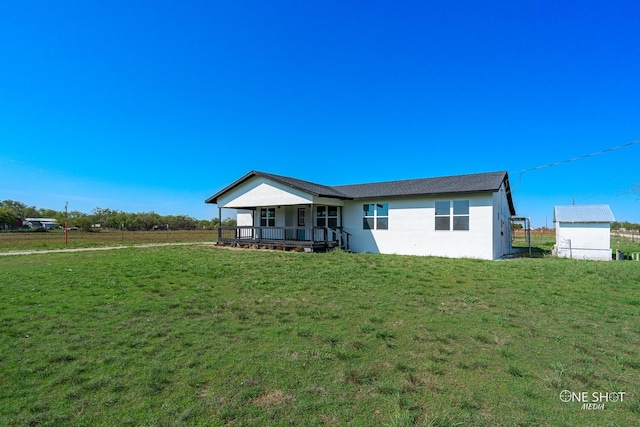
(206, 336)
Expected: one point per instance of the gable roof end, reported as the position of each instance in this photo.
(306, 186)
(318, 190)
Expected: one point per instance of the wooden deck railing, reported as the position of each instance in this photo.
(284, 235)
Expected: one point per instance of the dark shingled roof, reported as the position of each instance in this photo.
(474, 183)
(457, 184)
(309, 187)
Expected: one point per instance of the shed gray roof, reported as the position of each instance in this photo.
(583, 213)
(457, 184)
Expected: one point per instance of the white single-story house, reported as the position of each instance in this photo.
(583, 231)
(452, 216)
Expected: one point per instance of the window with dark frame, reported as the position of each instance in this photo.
(375, 216)
(327, 216)
(332, 216)
(452, 213)
(321, 216)
(461, 215)
(301, 217)
(267, 217)
(443, 215)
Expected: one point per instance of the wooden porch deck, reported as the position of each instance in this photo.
(310, 239)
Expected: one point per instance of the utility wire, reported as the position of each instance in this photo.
(597, 153)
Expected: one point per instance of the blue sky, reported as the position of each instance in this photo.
(154, 106)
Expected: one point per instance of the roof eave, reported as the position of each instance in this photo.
(507, 189)
(584, 222)
(397, 196)
(214, 199)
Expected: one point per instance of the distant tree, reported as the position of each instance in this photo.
(30, 212)
(84, 223)
(146, 220)
(78, 219)
(47, 213)
(18, 208)
(8, 217)
(203, 224)
(229, 222)
(126, 221)
(107, 218)
(626, 225)
(180, 222)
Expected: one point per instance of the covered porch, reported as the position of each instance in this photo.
(310, 239)
(282, 212)
(311, 227)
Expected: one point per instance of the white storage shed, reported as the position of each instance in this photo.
(583, 231)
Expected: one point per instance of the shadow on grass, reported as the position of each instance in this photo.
(536, 252)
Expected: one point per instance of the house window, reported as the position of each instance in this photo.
(443, 215)
(456, 213)
(460, 214)
(375, 216)
(321, 216)
(332, 216)
(327, 216)
(301, 217)
(267, 217)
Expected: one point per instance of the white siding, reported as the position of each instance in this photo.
(583, 241)
(262, 192)
(412, 229)
(244, 217)
(280, 219)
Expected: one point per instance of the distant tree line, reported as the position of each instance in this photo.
(12, 213)
(625, 225)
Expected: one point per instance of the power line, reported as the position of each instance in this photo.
(597, 153)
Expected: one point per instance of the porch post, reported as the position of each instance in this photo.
(340, 228)
(219, 223)
(312, 226)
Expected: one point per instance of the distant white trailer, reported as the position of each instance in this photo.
(46, 223)
(583, 231)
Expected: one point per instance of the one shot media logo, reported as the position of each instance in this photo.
(592, 400)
